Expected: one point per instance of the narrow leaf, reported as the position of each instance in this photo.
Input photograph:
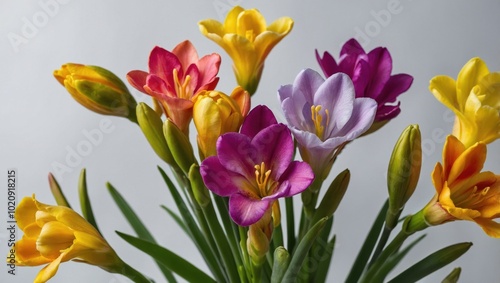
(366, 250)
(57, 192)
(432, 263)
(137, 225)
(85, 205)
(171, 260)
(302, 250)
(453, 276)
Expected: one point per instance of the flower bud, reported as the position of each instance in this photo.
(152, 127)
(259, 236)
(97, 89)
(215, 113)
(333, 196)
(403, 172)
(199, 190)
(179, 145)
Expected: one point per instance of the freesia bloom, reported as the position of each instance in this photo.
(371, 75)
(254, 167)
(463, 192)
(323, 115)
(474, 98)
(247, 39)
(97, 89)
(215, 113)
(175, 78)
(55, 234)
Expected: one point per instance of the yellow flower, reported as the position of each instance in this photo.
(97, 89)
(475, 99)
(247, 39)
(215, 113)
(55, 234)
(463, 192)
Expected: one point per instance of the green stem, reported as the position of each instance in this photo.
(221, 241)
(133, 274)
(381, 244)
(395, 244)
(290, 223)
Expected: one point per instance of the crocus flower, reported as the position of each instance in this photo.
(55, 234)
(254, 167)
(371, 75)
(97, 89)
(215, 113)
(463, 192)
(174, 79)
(247, 39)
(474, 98)
(323, 115)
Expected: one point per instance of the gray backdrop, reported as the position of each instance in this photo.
(41, 124)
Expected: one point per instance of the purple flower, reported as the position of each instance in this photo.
(254, 168)
(323, 115)
(371, 76)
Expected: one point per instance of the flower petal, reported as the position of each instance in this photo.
(275, 147)
(299, 175)
(470, 75)
(217, 178)
(185, 53)
(237, 154)
(490, 227)
(162, 62)
(246, 211)
(137, 79)
(381, 66)
(260, 117)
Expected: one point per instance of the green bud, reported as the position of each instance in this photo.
(152, 127)
(403, 172)
(179, 145)
(281, 262)
(97, 89)
(333, 196)
(453, 276)
(199, 190)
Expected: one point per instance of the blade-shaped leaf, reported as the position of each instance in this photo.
(86, 207)
(137, 225)
(432, 263)
(171, 260)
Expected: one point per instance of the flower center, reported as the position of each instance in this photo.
(250, 35)
(318, 120)
(265, 185)
(473, 199)
(182, 90)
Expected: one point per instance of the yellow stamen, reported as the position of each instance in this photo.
(262, 178)
(318, 120)
(183, 91)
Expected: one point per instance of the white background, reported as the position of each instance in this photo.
(40, 122)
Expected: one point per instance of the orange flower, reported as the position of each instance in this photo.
(463, 192)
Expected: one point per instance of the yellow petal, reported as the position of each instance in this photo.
(464, 213)
(490, 90)
(490, 227)
(469, 163)
(444, 89)
(48, 271)
(230, 23)
(488, 121)
(242, 99)
(250, 21)
(470, 75)
(27, 254)
(452, 149)
(53, 238)
(25, 212)
(437, 177)
(71, 219)
(211, 27)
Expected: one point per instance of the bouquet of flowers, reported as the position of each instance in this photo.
(234, 186)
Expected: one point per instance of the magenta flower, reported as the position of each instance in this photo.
(254, 168)
(323, 115)
(371, 76)
(175, 78)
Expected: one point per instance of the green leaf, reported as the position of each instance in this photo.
(87, 212)
(302, 250)
(57, 192)
(432, 263)
(209, 252)
(324, 262)
(177, 220)
(137, 225)
(366, 250)
(383, 268)
(169, 259)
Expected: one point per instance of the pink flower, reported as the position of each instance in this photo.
(174, 79)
